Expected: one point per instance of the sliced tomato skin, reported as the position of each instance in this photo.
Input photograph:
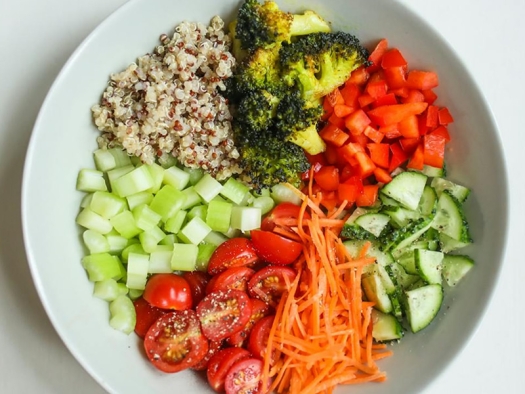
(268, 284)
(223, 313)
(259, 336)
(220, 364)
(146, 314)
(213, 348)
(235, 252)
(198, 281)
(283, 210)
(168, 291)
(274, 248)
(233, 278)
(244, 377)
(260, 309)
(178, 331)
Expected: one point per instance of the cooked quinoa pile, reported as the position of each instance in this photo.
(169, 102)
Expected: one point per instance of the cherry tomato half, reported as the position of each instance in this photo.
(213, 348)
(269, 283)
(259, 336)
(220, 364)
(283, 210)
(259, 310)
(175, 341)
(244, 377)
(223, 313)
(233, 278)
(275, 249)
(198, 281)
(235, 252)
(168, 291)
(146, 314)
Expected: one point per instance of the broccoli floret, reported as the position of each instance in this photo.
(256, 110)
(320, 62)
(264, 25)
(268, 160)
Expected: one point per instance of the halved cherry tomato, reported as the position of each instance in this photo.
(275, 249)
(235, 278)
(220, 364)
(223, 313)
(283, 210)
(259, 336)
(269, 283)
(244, 377)
(235, 252)
(175, 341)
(259, 310)
(146, 314)
(168, 291)
(198, 281)
(213, 348)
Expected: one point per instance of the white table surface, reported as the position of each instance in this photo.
(37, 37)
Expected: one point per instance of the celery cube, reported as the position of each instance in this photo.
(195, 230)
(124, 223)
(184, 257)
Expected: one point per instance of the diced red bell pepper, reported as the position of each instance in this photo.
(414, 96)
(376, 89)
(342, 110)
(335, 97)
(365, 100)
(357, 121)
(327, 177)
(422, 80)
(390, 114)
(398, 156)
(333, 134)
(430, 96)
(444, 116)
(401, 92)
(368, 197)
(329, 200)
(417, 160)
(316, 159)
(350, 93)
(387, 99)
(360, 139)
(379, 154)
(366, 165)
(391, 131)
(331, 155)
(346, 172)
(434, 150)
(377, 55)
(422, 124)
(359, 76)
(409, 145)
(350, 189)
(336, 121)
(396, 77)
(443, 131)
(409, 127)
(349, 150)
(431, 116)
(379, 75)
(373, 134)
(327, 108)
(382, 175)
(393, 58)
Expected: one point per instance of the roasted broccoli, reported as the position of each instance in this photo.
(264, 25)
(256, 111)
(320, 62)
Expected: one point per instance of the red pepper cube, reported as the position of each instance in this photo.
(409, 127)
(357, 121)
(359, 76)
(414, 96)
(350, 93)
(382, 175)
(431, 117)
(398, 156)
(443, 131)
(387, 99)
(373, 134)
(434, 150)
(342, 110)
(335, 97)
(418, 159)
(409, 145)
(327, 177)
(350, 189)
(444, 116)
(376, 89)
(422, 80)
(390, 114)
(430, 96)
(366, 165)
(336, 121)
(365, 100)
(391, 131)
(368, 197)
(333, 134)
(377, 55)
(379, 154)
(393, 58)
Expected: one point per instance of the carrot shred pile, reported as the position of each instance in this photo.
(322, 334)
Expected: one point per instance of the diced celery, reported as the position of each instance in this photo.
(157, 173)
(116, 243)
(184, 257)
(262, 193)
(234, 190)
(138, 266)
(133, 182)
(215, 238)
(108, 289)
(266, 204)
(167, 160)
(122, 314)
(168, 240)
(138, 199)
(121, 157)
(145, 217)
(134, 248)
(104, 160)
(122, 288)
(247, 200)
(195, 174)
(123, 273)
(107, 204)
(93, 221)
(160, 261)
(283, 193)
(232, 233)
(116, 173)
(192, 198)
(199, 211)
(246, 218)
(95, 242)
(135, 293)
(204, 255)
(101, 266)
(124, 223)
(176, 177)
(91, 181)
(86, 200)
(135, 161)
(208, 187)
(168, 201)
(149, 239)
(174, 224)
(195, 230)
(218, 215)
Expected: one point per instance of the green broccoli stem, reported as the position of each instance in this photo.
(308, 23)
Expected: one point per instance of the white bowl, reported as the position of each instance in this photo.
(64, 138)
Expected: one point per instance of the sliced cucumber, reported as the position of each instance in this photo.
(455, 267)
(400, 277)
(375, 292)
(459, 192)
(407, 235)
(406, 188)
(354, 247)
(374, 223)
(429, 265)
(422, 305)
(450, 219)
(427, 204)
(448, 244)
(432, 171)
(385, 327)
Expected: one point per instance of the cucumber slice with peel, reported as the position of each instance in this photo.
(385, 327)
(406, 188)
(455, 267)
(422, 305)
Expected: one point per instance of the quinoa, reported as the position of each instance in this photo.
(169, 102)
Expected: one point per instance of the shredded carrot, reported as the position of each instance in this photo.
(322, 332)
